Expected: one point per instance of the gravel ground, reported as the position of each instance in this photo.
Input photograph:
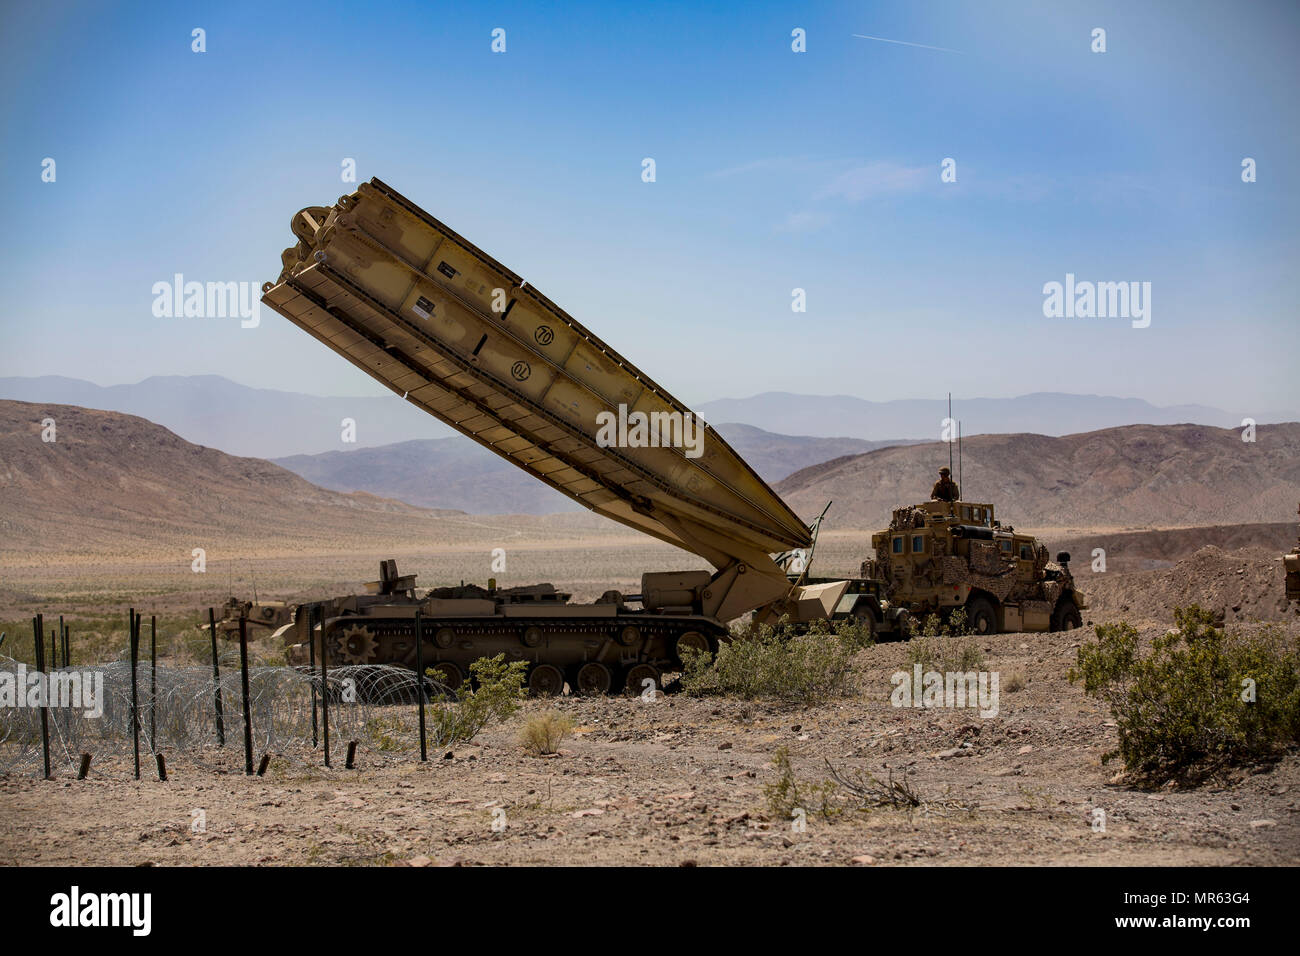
(680, 781)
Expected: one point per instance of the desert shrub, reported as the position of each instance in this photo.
(788, 792)
(542, 734)
(387, 732)
(954, 625)
(853, 633)
(1015, 682)
(766, 661)
(1187, 708)
(944, 654)
(498, 692)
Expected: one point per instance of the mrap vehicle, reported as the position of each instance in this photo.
(938, 556)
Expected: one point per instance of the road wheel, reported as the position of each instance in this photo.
(692, 642)
(1066, 617)
(634, 682)
(980, 617)
(592, 679)
(446, 674)
(545, 680)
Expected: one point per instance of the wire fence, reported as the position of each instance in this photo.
(90, 712)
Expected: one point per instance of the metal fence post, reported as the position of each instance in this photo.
(38, 626)
(243, 674)
(324, 689)
(313, 612)
(216, 680)
(153, 683)
(135, 691)
(419, 682)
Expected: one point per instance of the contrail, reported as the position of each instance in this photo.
(941, 49)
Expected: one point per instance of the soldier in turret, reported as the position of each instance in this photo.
(945, 489)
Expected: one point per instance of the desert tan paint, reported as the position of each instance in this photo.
(438, 321)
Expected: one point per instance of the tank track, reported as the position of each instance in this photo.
(627, 650)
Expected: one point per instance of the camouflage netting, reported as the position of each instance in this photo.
(183, 717)
(904, 519)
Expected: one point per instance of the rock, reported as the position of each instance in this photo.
(419, 861)
(1027, 748)
(724, 746)
(864, 859)
(1260, 824)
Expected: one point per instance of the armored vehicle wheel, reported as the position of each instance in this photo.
(447, 674)
(444, 637)
(863, 615)
(532, 637)
(592, 679)
(981, 617)
(634, 682)
(690, 641)
(545, 680)
(1066, 617)
(629, 635)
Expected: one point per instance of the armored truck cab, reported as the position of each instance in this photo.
(938, 556)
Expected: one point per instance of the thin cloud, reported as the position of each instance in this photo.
(941, 49)
(875, 180)
(805, 221)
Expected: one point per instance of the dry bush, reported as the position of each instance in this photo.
(541, 735)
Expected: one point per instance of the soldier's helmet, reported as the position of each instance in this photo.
(944, 471)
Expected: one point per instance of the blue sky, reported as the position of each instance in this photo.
(775, 170)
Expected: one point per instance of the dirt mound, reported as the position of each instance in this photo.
(1245, 584)
(1139, 476)
(1161, 548)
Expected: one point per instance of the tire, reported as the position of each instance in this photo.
(545, 680)
(591, 679)
(864, 614)
(634, 679)
(981, 617)
(1066, 617)
(694, 640)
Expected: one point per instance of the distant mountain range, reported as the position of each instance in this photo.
(1138, 476)
(1042, 413)
(117, 485)
(216, 412)
(458, 473)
